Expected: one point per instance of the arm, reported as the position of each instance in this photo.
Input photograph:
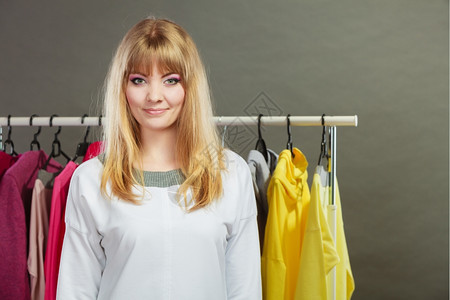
(82, 257)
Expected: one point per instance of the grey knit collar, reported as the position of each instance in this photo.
(161, 178)
(156, 178)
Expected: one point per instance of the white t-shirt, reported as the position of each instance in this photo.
(117, 250)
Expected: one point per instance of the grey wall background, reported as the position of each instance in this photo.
(386, 61)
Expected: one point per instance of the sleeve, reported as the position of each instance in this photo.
(14, 283)
(243, 263)
(82, 256)
(273, 267)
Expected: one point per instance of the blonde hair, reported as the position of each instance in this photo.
(198, 150)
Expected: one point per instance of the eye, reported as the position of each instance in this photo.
(137, 80)
(171, 81)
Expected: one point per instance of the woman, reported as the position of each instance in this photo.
(165, 212)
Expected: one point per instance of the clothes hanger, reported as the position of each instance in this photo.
(223, 135)
(56, 146)
(9, 141)
(289, 143)
(224, 132)
(83, 146)
(35, 141)
(260, 144)
(323, 144)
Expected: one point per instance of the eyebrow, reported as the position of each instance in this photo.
(138, 73)
(171, 73)
(165, 75)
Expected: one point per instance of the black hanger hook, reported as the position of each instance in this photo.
(289, 143)
(35, 141)
(56, 141)
(8, 140)
(51, 125)
(9, 129)
(323, 143)
(261, 144)
(87, 129)
(83, 146)
(259, 126)
(56, 145)
(323, 131)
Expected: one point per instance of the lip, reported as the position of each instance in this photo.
(155, 111)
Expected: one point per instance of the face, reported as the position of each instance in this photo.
(155, 99)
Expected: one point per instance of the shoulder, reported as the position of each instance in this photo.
(88, 172)
(238, 186)
(236, 166)
(84, 190)
(86, 207)
(233, 160)
(237, 176)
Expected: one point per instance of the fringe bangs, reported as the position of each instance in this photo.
(153, 48)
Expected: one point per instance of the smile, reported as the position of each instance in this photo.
(155, 112)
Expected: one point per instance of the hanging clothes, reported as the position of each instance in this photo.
(40, 211)
(6, 161)
(57, 226)
(288, 197)
(318, 254)
(261, 173)
(93, 150)
(345, 284)
(16, 189)
(273, 160)
(56, 229)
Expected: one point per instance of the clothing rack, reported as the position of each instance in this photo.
(330, 121)
(220, 121)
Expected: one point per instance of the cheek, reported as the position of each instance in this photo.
(178, 96)
(132, 97)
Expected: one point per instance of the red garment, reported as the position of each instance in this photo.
(57, 226)
(6, 161)
(57, 229)
(93, 150)
(16, 189)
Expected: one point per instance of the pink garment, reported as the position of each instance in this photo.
(56, 230)
(93, 150)
(40, 211)
(16, 189)
(6, 161)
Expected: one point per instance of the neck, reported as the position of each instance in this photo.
(158, 150)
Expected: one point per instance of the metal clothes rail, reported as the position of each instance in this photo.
(220, 120)
(330, 121)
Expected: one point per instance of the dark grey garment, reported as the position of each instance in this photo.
(261, 173)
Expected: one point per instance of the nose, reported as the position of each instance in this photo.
(154, 93)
